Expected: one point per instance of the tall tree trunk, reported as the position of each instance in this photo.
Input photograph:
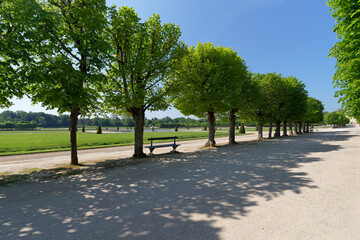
(307, 127)
(290, 128)
(138, 115)
(304, 127)
(296, 132)
(284, 128)
(211, 119)
(277, 129)
(260, 131)
(300, 127)
(74, 114)
(232, 127)
(270, 129)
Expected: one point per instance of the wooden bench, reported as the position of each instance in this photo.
(173, 145)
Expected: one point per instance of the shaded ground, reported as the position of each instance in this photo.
(303, 187)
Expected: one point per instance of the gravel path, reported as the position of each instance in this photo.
(18, 163)
(303, 187)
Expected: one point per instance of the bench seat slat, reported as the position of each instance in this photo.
(163, 145)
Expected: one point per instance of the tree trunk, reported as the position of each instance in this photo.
(138, 115)
(290, 128)
(211, 140)
(304, 127)
(232, 127)
(260, 131)
(74, 114)
(296, 128)
(307, 127)
(242, 128)
(277, 129)
(284, 128)
(300, 127)
(270, 129)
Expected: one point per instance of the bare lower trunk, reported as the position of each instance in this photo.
(232, 127)
(300, 127)
(307, 127)
(284, 128)
(138, 115)
(290, 128)
(304, 127)
(260, 131)
(75, 112)
(211, 140)
(277, 129)
(296, 128)
(270, 129)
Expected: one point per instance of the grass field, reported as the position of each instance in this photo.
(19, 142)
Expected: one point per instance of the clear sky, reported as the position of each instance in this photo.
(283, 36)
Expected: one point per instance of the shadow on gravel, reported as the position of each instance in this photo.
(174, 196)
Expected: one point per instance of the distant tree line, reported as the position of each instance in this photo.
(31, 120)
(337, 118)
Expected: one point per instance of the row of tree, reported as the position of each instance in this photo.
(337, 118)
(83, 57)
(46, 120)
(346, 52)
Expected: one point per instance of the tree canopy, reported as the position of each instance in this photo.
(346, 52)
(209, 80)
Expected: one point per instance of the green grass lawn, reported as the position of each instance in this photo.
(19, 142)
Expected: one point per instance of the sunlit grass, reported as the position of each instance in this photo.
(20, 142)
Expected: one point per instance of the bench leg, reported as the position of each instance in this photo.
(151, 151)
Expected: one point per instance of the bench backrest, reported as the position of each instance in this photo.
(162, 138)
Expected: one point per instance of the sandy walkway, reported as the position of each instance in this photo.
(18, 163)
(304, 187)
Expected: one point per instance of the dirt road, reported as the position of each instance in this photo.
(304, 187)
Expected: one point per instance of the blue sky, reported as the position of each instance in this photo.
(283, 36)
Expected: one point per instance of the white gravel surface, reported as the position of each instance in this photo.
(301, 187)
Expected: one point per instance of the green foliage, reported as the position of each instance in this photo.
(98, 130)
(269, 98)
(67, 51)
(143, 56)
(346, 52)
(314, 111)
(295, 99)
(337, 118)
(14, 48)
(205, 78)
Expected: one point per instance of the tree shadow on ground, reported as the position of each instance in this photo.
(176, 196)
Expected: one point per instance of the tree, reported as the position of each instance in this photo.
(138, 71)
(314, 112)
(295, 103)
(68, 49)
(203, 80)
(240, 94)
(268, 100)
(346, 52)
(337, 118)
